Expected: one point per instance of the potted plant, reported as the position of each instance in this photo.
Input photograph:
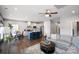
(9, 38)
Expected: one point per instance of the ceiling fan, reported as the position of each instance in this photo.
(48, 13)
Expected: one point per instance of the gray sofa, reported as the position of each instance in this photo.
(66, 44)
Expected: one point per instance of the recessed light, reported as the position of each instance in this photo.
(16, 9)
(73, 11)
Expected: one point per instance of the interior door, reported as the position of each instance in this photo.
(77, 28)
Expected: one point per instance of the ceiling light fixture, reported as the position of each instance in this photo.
(46, 15)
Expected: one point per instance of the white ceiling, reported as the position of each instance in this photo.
(69, 11)
(31, 12)
(59, 6)
(25, 12)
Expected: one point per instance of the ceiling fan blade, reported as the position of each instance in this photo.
(54, 13)
(41, 13)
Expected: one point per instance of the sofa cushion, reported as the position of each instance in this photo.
(66, 38)
(62, 44)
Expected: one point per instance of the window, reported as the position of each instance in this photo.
(14, 29)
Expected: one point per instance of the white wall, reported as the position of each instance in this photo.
(47, 28)
(22, 25)
(67, 25)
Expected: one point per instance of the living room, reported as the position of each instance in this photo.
(36, 25)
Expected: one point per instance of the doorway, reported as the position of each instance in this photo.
(55, 28)
(77, 28)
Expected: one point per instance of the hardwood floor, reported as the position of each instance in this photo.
(24, 43)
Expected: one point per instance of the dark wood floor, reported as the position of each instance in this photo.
(24, 43)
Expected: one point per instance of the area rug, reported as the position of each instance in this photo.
(35, 49)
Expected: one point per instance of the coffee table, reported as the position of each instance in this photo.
(48, 48)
